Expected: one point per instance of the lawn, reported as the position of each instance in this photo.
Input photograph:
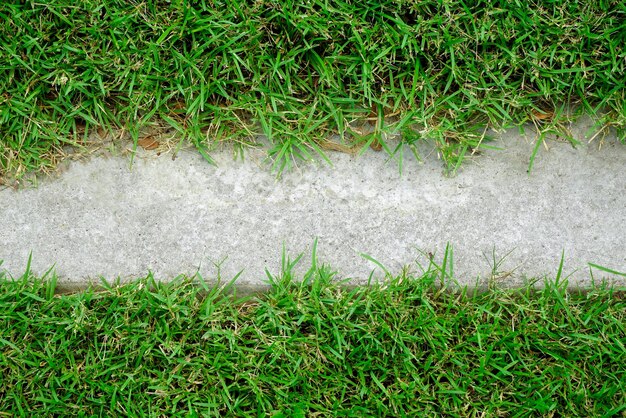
(307, 75)
(310, 346)
(303, 74)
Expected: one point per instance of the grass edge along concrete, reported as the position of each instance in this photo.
(300, 74)
(401, 347)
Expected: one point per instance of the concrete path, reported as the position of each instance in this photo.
(101, 218)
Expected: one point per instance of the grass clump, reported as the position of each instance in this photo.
(301, 71)
(404, 347)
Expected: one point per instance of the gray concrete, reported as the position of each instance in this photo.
(101, 218)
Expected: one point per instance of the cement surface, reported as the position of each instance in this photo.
(104, 219)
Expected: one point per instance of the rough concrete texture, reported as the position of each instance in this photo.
(104, 219)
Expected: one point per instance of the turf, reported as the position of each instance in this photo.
(310, 347)
(300, 72)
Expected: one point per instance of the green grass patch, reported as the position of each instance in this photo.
(298, 72)
(310, 347)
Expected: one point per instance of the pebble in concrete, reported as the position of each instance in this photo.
(102, 218)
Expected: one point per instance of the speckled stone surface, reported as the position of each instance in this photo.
(101, 218)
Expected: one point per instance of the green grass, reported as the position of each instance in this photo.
(227, 70)
(311, 347)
